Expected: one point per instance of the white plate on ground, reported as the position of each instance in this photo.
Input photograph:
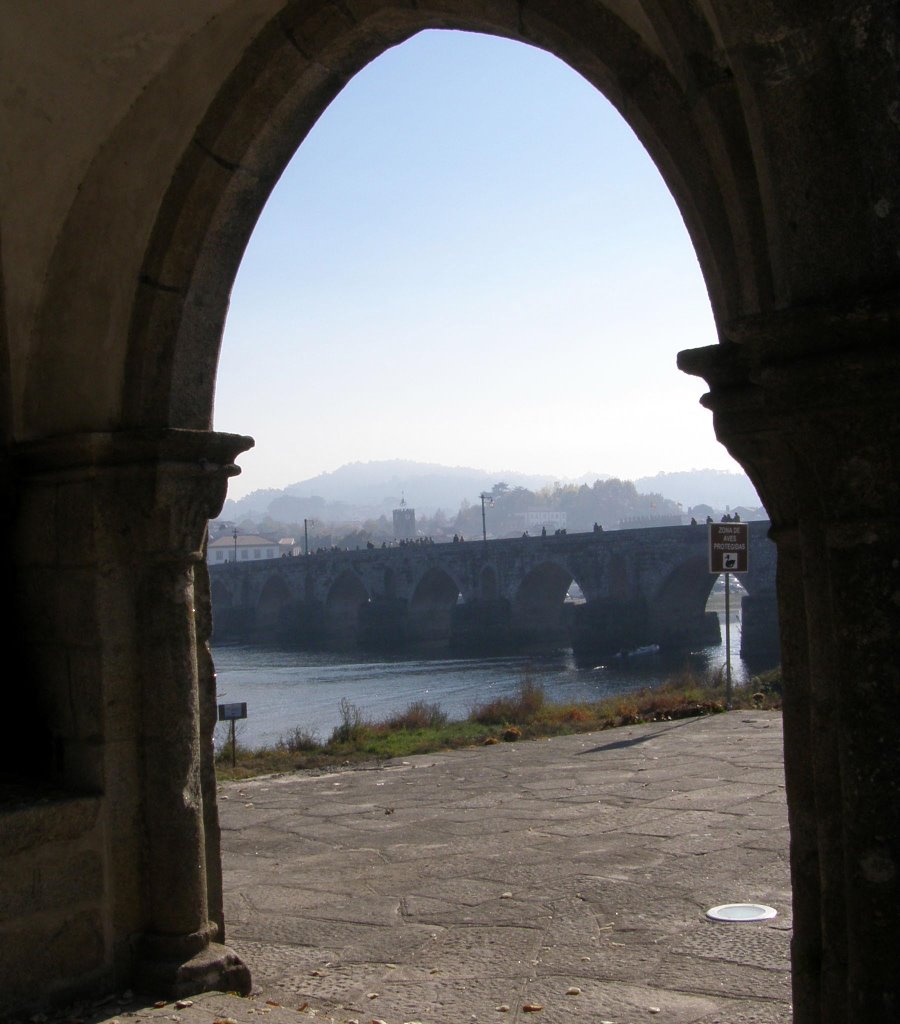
(741, 912)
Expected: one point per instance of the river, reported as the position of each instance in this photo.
(285, 687)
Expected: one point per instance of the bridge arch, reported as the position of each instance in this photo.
(678, 616)
(431, 605)
(488, 584)
(538, 606)
(221, 594)
(346, 598)
(226, 616)
(274, 601)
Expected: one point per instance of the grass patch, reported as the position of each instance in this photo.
(424, 727)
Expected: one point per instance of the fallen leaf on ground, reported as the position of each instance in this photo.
(574, 990)
(532, 1007)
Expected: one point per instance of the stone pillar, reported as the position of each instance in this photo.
(116, 589)
(808, 403)
(759, 629)
(605, 626)
(481, 625)
(384, 623)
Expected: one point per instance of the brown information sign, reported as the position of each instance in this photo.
(230, 712)
(728, 547)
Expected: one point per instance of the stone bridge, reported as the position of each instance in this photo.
(640, 587)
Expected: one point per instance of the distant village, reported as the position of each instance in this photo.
(501, 512)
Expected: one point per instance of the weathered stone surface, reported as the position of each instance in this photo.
(514, 911)
(36, 825)
(31, 885)
(67, 949)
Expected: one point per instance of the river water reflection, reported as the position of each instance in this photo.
(285, 687)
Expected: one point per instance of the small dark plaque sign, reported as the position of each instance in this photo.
(728, 547)
(230, 712)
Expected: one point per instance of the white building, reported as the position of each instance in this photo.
(246, 547)
(544, 518)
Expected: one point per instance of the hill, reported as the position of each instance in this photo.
(715, 487)
(360, 490)
(363, 489)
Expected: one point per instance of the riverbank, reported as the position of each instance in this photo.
(425, 727)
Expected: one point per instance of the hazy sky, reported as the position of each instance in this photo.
(470, 260)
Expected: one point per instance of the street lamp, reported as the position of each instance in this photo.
(306, 525)
(234, 534)
(489, 498)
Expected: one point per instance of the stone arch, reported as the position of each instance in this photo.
(272, 605)
(678, 616)
(431, 606)
(538, 607)
(285, 80)
(488, 584)
(226, 612)
(346, 598)
(221, 594)
(619, 585)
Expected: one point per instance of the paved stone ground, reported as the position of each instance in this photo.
(571, 874)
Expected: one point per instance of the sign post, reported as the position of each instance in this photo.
(232, 713)
(729, 545)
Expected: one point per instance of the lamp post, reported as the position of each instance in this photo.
(234, 534)
(489, 498)
(306, 525)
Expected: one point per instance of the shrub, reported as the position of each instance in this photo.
(352, 727)
(519, 709)
(419, 715)
(299, 740)
(769, 683)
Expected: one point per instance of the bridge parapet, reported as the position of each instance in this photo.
(650, 584)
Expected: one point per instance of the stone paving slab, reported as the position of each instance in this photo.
(570, 874)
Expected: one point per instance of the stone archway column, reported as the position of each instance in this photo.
(114, 568)
(808, 403)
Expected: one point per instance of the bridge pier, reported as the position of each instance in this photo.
(686, 629)
(540, 625)
(605, 626)
(759, 628)
(384, 623)
(481, 624)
